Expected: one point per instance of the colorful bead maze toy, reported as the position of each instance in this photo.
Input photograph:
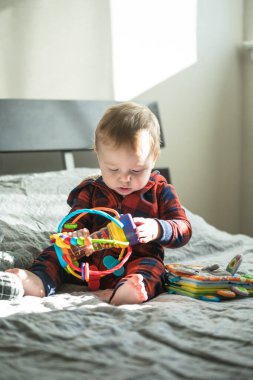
(73, 245)
(209, 283)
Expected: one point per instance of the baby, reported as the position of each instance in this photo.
(127, 144)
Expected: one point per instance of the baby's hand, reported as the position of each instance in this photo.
(147, 229)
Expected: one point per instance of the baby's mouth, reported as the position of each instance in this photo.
(124, 189)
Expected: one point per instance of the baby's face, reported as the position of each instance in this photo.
(124, 170)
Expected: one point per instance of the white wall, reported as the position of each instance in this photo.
(247, 153)
(62, 49)
(201, 114)
(56, 49)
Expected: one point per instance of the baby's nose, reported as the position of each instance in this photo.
(125, 177)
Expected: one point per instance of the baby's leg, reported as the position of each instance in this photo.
(32, 284)
(131, 291)
(143, 281)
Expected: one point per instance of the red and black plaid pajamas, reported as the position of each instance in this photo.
(156, 200)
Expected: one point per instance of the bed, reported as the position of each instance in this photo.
(76, 333)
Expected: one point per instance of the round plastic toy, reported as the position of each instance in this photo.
(70, 246)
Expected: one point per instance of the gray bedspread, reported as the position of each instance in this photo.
(78, 334)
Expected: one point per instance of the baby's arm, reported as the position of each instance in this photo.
(32, 284)
(172, 228)
(175, 225)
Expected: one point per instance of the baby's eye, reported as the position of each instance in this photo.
(113, 170)
(136, 171)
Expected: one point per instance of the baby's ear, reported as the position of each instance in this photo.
(156, 155)
(155, 158)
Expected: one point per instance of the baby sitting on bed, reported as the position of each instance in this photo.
(127, 143)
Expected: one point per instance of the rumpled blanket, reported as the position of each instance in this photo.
(76, 333)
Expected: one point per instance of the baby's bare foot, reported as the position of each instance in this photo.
(131, 292)
(32, 284)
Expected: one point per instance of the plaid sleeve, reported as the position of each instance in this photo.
(175, 225)
(80, 198)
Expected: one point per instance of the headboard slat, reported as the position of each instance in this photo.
(29, 125)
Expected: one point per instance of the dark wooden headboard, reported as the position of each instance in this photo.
(32, 125)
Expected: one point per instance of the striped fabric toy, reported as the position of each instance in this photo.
(211, 282)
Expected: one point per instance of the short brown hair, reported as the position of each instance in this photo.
(122, 123)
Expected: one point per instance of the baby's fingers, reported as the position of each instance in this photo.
(139, 221)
